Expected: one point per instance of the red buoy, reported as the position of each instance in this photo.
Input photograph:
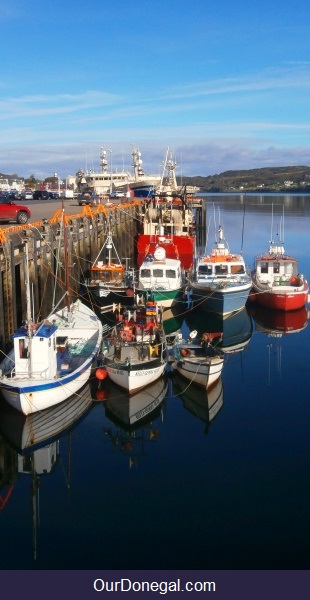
(101, 374)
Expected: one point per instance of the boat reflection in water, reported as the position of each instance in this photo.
(136, 417)
(234, 331)
(278, 322)
(203, 404)
(38, 429)
(31, 446)
(276, 326)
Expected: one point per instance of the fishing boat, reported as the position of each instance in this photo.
(163, 277)
(196, 360)
(167, 222)
(135, 353)
(110, 280)
(51, 360)
(102, 181)
(277, 283)
(219, 281)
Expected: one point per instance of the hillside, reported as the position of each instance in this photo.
(270, 179)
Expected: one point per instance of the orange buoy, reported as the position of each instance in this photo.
(101, 374)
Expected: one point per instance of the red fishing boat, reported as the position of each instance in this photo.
(167, 222)
(277, 284)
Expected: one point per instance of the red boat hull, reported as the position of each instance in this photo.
(285, 301)
(179, 246)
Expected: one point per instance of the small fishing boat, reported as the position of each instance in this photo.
(197, 361)
(135, 353)
(110, 281)
(51, 360)
(277, 283)
(219, 281)
(163, 277)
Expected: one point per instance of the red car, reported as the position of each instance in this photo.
(9, 211)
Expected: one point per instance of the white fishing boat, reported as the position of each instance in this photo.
(197, 361)
(163, 277)
(51, 360)
(136, 354)
(220, 281)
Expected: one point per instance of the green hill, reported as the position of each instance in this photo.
(269, 179)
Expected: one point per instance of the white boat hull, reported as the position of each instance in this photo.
(133, 380)
(204, 373)
(30, 393)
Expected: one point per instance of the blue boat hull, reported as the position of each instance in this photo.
(219, 301)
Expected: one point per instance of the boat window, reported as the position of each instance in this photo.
(237, 269)
(264, 267)
(288, 268)
(205, 269)
(145, 273)
(117, 275)
(276, 267)
(105, 276)
(170, 274)
(158, 273)
(221, 269)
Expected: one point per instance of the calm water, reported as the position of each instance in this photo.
(194, 482)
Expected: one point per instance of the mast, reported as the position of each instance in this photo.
(67, 288)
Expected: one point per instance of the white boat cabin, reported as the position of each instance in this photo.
(159, 271)
(220, 267)
(35, 355)
(276, 270)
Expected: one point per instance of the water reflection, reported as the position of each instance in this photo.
(234, 331)
(203, 404)
(30, 446)
(135, 420)
(274, 322)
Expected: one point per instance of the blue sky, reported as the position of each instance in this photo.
(224, 84)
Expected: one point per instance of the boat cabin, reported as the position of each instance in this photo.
(279, 270)
(216, 269)
(160, 271)
(33, 352)
(107, 273)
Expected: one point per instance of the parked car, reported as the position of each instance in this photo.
(118, 194)
(86, 199)
(41, 195)
(9, 211)
(27, 195)
(53, 195)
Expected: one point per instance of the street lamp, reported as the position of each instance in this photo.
(111, 184)
(55, 175)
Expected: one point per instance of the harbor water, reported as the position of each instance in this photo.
(177, 478)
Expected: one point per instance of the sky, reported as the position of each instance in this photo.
(224, 85)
